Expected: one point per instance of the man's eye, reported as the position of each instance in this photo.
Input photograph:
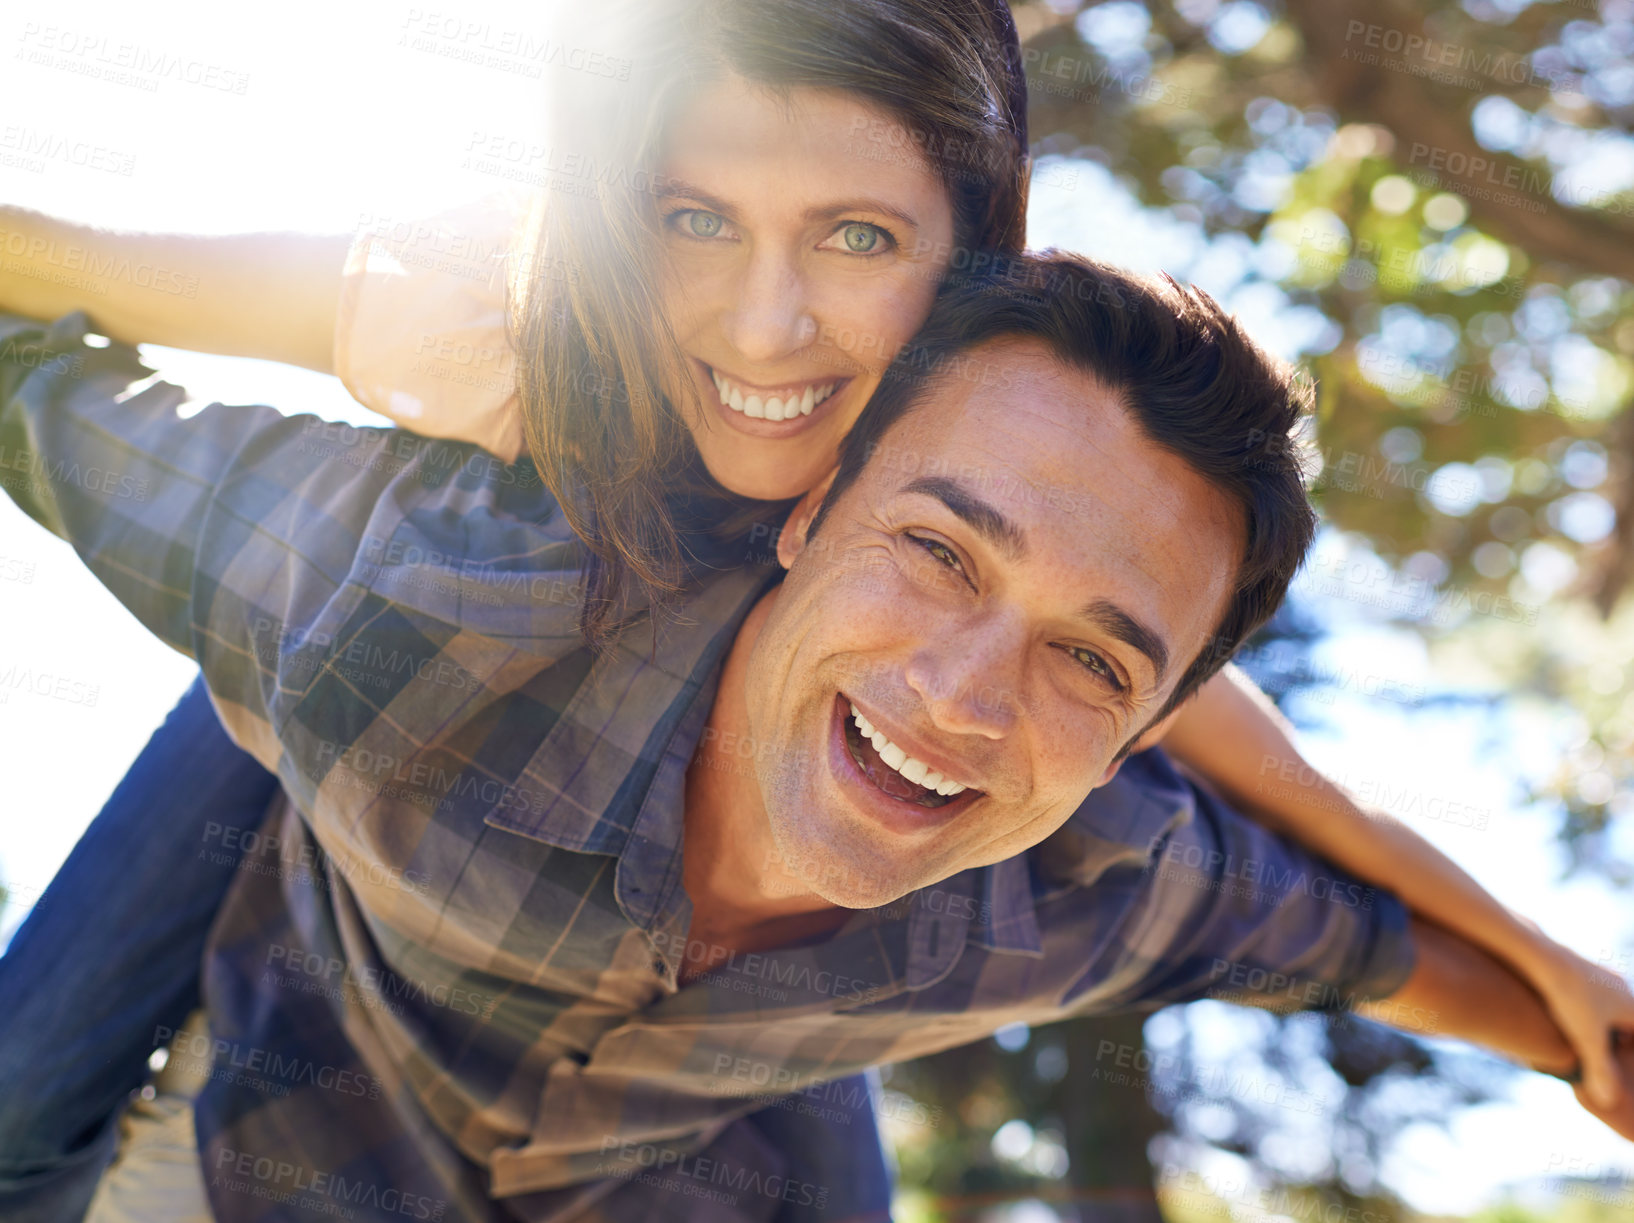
(1096, 665)
(940, 551)
(696, 223)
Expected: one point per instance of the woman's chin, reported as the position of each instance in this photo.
(768, 477)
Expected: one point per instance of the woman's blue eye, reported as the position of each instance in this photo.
(862, 239)
(701, 224)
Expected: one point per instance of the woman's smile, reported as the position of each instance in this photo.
(775, 409)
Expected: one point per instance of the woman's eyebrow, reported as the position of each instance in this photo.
(674, 188)
(679, 188)
(827, 212)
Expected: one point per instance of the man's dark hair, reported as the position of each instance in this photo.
(1196, 385)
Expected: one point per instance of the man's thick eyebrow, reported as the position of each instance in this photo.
(1007, 537)
(975, 513)
(1114, 620)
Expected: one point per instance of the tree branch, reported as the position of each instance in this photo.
(1436, 117)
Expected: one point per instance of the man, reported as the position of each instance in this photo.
(471, 973)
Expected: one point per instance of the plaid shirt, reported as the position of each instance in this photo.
(445, 983)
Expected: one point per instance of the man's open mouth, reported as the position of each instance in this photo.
(886, 769)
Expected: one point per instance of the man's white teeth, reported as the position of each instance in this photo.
(786, 407)
(916, 771)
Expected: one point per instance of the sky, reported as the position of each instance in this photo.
(317, 115)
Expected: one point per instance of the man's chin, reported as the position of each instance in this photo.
(845, 870)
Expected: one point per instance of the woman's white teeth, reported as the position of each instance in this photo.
(916, 771)
(771, 407)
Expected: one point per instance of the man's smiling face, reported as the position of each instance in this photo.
(1007, 594)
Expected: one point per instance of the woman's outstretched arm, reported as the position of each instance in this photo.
(409, 314)
(1233, 736)
(271, 296)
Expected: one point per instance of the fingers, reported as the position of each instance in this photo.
(1602, 1081)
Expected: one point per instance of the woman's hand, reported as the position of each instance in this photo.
(1620, 1114)
(1589, 1002)
(420, 332)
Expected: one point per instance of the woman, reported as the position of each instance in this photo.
(628, 378)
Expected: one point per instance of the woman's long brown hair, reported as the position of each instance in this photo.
(596, 354)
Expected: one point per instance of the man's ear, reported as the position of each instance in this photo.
(1111, 770)
(1154, 733)
(791, 541)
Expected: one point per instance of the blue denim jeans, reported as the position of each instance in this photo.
(107, 966)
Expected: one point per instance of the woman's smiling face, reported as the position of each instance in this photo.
(804, 235)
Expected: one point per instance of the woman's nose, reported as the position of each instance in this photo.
(771, 317)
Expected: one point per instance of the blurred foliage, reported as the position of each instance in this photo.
(1442, 198)
(1455, 228)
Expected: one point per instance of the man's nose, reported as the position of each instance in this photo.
(771, 317)
(970, 681)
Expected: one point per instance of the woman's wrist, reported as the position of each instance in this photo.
(1540, 959)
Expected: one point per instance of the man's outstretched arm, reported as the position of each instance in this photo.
(1231, 911)
(227, 531)
(1456, 989)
